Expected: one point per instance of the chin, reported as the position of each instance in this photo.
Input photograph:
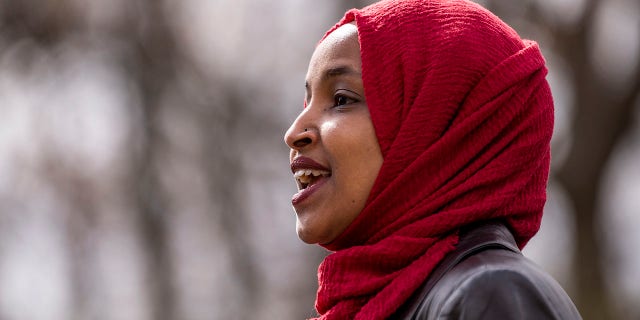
(306, 237)
(310, 237)
(306, 240)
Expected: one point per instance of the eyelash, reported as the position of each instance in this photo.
(348, 100)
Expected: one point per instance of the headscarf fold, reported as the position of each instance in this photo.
(463, 115)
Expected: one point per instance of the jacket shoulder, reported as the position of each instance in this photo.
(497, 284)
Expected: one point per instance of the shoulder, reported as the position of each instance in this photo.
(497, 284)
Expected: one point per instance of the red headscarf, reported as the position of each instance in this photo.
(464, 116)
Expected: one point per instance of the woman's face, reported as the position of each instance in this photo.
(335, 156)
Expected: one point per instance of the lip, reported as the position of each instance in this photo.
(305, 193)
(301, 163)
(306, 163)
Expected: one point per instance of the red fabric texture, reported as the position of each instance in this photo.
(464, 117)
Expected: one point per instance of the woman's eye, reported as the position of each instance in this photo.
(340, 100)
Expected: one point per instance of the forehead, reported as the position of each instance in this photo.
(340, 48)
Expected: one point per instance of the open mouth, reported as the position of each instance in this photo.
(307, 177)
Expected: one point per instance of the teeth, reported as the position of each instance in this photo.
(306, 175)
(304, 179)
(310, 172)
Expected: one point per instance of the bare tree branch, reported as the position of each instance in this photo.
(633, 92)
(153, 66)
(601, 119)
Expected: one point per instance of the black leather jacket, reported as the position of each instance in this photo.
(487, 277)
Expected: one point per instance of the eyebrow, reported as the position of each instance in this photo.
(340, 71)
(335, 72)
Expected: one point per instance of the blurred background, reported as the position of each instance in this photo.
(143, 173)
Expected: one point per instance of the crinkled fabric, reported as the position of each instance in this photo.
(463, 115)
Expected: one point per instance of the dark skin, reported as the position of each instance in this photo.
(335, 130)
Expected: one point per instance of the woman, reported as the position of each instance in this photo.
(421, 158)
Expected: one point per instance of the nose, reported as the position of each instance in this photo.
(302, 133)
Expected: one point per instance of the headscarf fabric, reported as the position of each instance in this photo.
(464, 116)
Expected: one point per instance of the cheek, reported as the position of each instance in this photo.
(334, 138)
(356, 153)
(329, 127)
(351, 140)
(347, 133)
